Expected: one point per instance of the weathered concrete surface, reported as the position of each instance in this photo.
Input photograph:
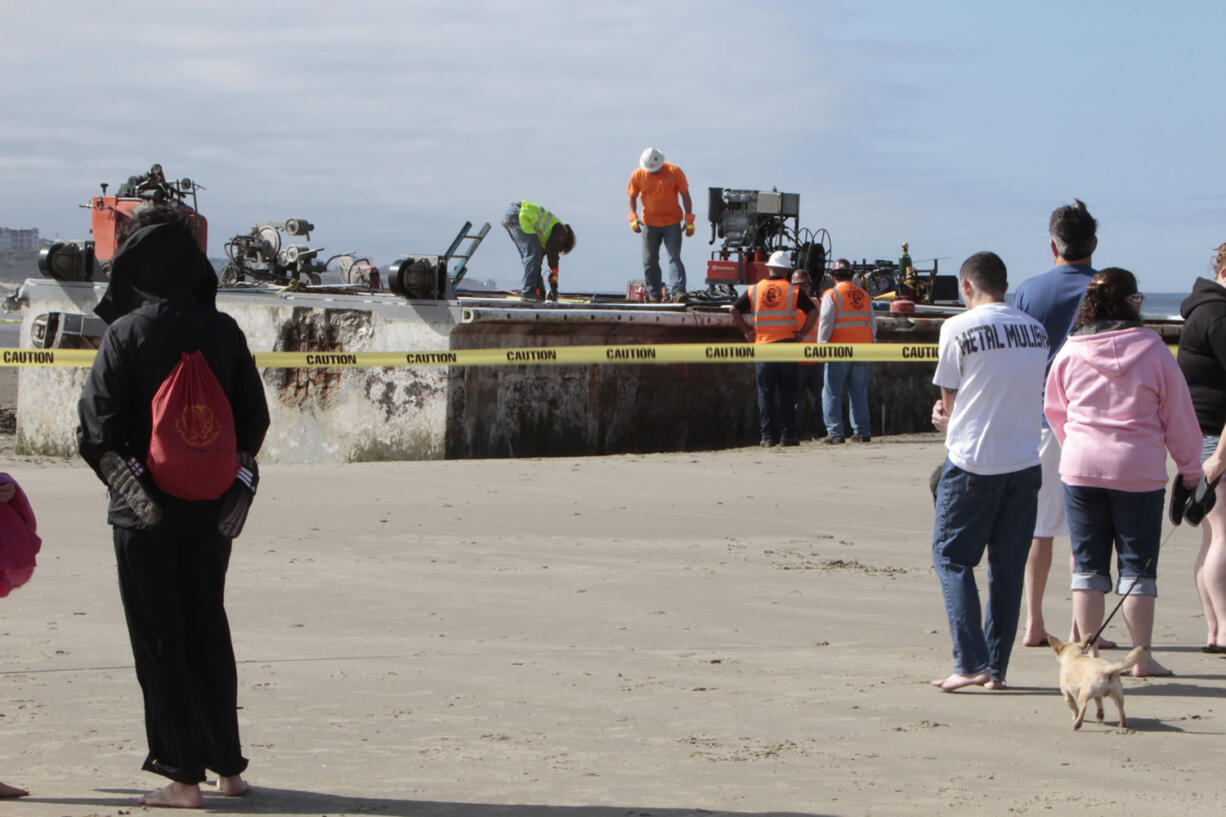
(318, 415)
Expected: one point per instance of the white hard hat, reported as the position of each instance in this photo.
(780, 259)
(651, 160)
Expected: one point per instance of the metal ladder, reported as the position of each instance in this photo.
(451, 253)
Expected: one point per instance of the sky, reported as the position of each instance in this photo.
(954, 126)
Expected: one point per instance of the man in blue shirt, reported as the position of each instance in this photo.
(1053, 299)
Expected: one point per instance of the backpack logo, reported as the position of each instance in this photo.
(198, 425)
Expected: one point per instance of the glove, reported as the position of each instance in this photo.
(634, 222)
(553, 279)
(127, 479)
(237, 500)
(689, 224)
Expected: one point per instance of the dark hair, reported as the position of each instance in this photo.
(1074, 230)
(568, 243)
(142, 217)
(987, 272)
(1107, 298)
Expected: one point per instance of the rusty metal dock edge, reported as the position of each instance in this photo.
(433, 412)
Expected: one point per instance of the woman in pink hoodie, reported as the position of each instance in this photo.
(1117, 402)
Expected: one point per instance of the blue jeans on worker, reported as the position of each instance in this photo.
(777, 379)
(1129, 522)
(530, 252)
(854, 378)
(809, 420)
(670, 236)
(975, 513)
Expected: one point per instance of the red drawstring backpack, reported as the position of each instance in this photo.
(193, 451)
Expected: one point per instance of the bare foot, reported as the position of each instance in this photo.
(1147, 667)
(232, 786)
(1035, 637)
(174, 795)
(11, 791)
(1101, 644)
(956, 681)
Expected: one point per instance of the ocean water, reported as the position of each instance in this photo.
(1162, 304)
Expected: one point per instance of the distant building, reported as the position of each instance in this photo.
(11, 239)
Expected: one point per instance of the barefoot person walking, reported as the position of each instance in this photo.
(990, 362)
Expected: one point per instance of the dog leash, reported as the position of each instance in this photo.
(1131, 587)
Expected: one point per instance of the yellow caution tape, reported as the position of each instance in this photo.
(551, 355)
(548, 355)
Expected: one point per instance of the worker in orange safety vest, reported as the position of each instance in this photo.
(780, 313)
(846, 316)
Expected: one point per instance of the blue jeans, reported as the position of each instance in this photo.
(809, 390)
(671, 238)
(777, 379)
(974, 513)
(530, 251)
(1130, 522)
(853, 377)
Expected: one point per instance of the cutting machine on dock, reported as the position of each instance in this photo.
(750, 225)
(86, 259)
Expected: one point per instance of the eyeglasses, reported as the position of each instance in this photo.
(1136, 298)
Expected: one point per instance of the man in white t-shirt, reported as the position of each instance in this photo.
(990, 367)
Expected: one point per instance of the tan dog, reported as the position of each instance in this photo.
(1083, 677)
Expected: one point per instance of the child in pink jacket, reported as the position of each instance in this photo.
(19, 544)
(1117, 402)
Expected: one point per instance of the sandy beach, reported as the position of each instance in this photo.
(735, 632)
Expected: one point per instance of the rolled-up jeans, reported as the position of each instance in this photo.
(530, 251)
(1101, 520)
(670, 236)
(974, 513)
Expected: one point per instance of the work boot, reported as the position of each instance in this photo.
(834, 439)
(860, 438)
(767, 443)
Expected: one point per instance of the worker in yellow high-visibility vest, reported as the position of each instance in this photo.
(538, 234)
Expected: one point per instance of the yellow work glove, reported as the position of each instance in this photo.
(689, 224)
(634, 222)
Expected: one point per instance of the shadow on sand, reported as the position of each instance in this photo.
(263, 800)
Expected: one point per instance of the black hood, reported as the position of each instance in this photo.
(160, 262)
(1203, 291)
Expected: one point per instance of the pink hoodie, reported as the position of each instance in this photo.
(1118, 402)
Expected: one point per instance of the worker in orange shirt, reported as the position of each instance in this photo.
(780, 313)
(659, 183)
(846, 316)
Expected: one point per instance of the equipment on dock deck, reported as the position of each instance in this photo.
(259, 255)
(425, 276)
(475, 240)
(81, 260)
(751, 224)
